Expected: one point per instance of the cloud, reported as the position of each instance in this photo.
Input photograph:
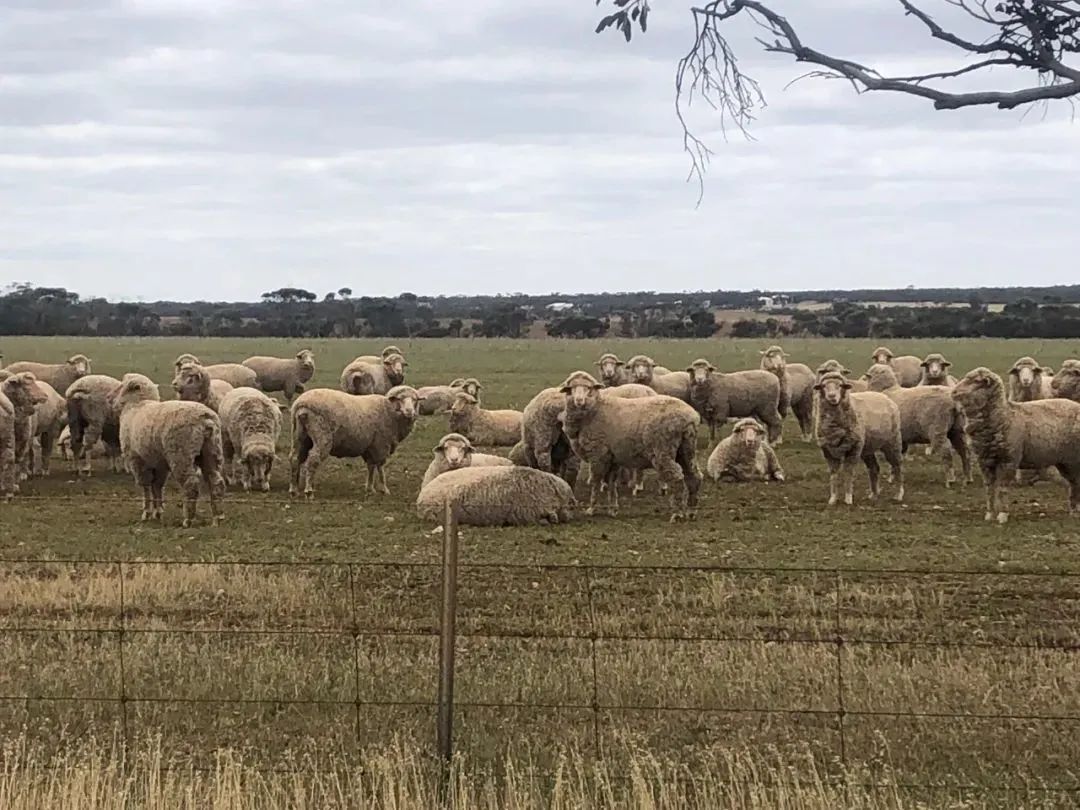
(159, 148)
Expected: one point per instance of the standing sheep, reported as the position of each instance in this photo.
(645, 372)
(63, 444)
(613, 433)
(745, 455)
(613, 371)
(501, 428)
(453, 452)
(718, 397)
(234, 374)
(908, 367)
(362, 377)
(928, 415)
(250, 427)
(192, 383)
(23, 393)
(177, 438)
(60, 376)
(92, 418)
(796, 388)
(8, 473)
(439, 398)
(327, 423)
(1066, 383)
(49, 420)
(935, 371)
(857, 426)
(1029, 381)
(1008, 436)
(543, 444)
(497, 496)
(280, 374)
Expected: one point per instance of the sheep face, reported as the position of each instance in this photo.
(192, 383)
(1026, 370)
(833, 387)
(936, 366)
(23, 390)
(581, 389)
(881, 355)
(134, 388)
(749, 432)
(306, 358)
(472, 387)
(463, 405)
(80, 363)
(700, 370)
(609, 366)
(773, 359)
(258, 462)
(404, 399)
(456, 449)
(395, 367)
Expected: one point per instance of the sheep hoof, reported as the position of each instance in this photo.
(848, 500)
(590, 511)
(266, 486)
(778, 476)
(185, 523)
(899, 496)
(309, 494)
(832, 500)
(1002, 518)
(870, 496)
(145, 515)
(677, 516)
(989, 516)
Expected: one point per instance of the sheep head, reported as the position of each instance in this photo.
(456, 449)
(831, 365)
(192, 383)
(749, 431)
(464, 403)
(1066, 383)
(389, 350)
(882, 355)
(1026, 370)
(306, 358)
(582, 389)
(641, 368)
(395, 365)
(979, 388)
(134, 388)
(186, 360)
(81, 364)
(472, 387)
(609, 365)
(700, 370)
(833, 387)
(935, 365)
(880, 377)
(258, 460)
(23, 391)
(773, 359)
(404, 398)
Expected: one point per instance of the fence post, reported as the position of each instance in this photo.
(447, 642)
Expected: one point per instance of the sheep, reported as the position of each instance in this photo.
(193, 383)
(63, 444)
(1029, 381)
(745, 455)
(497, 496)
(543, 444)
(501, 428)
(928, 415)
(280, 374)
(718, 396)
(455, 451)
(24, 395)
(857, 386)
(613, 371)
(363, 377)
(614, 433)
(645, 372)
(853, 426)
(376, 359)
(50, 418)
(1008, 436)
(935, 371)
(177, 438)
(1066, 383)
(326, 422)
(908, 367)
(439, 398)
(60, 376)
(250, 427)
(796, 388)
(91, 418)
(185, 360)
(8, 473)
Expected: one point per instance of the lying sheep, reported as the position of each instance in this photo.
(857, 426)
(23, 393)
(1008, 436)
(250, 427)
(1029, 381)
(501, 428)
(60, 376)
(328, 423)
(497, 496)
(645, 372)
(91, 418)
(908, 367)
(796, 388)
(928, 415)
(50, 419)
(614, 433)
(363, 377)
(745, 455)
(613, 371)
(543, 444)
(718, 396)
(192, 383)
(177, 438)
(455, 451)
(281, 374)
(935, 371)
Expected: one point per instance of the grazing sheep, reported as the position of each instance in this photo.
(857, 426)
(363, 377)
(177, 438)
(327, 423)
(50, 418)
(1008, 436)
(500, 428)
(91, 418)
(60, 376)
(935, 371)
(250, 427)
(1028, 381)
(745, 455)
(613, 371)
(23, 393)
(453, 452)
(908, 367)
(439, 398)
(192, 383)
(1066, 383)
(928, 415)
(281, 374)
(543, 444)
(796, 388)
(497, 496)
(614, 433)
(718, 397)
(645, 372)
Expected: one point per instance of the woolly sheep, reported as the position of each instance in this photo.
(857, 386)
(718, 396)
(744, 455)
(497, 496)
(438, 398)
(908, 367)
(613, 371)
(8, 472)
(192, 383)
(92, 418)
(23, 393)
(1029, 381)
(234, 374)
(327, 423)
(500, 428)
(281, 374)
(363, 377)
(644, 371)
(1066, 383)
(177, 438)
(614, 433)
(250, 427)
(857, 426)
(50, 418)
(60, 376)
(63, 444)
(185, 360)
(935, 371)
(796, 388)
(1008, 436)
(376, 359)
(455, 451)
(543, 444)
(928, 415)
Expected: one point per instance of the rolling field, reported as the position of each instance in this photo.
(946, 678)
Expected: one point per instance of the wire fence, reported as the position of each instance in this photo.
(841, 616)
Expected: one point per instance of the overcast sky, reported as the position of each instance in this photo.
(220, 148)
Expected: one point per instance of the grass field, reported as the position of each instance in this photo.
(945, 627)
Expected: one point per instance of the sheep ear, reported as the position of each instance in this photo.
(711, 368)
(945, 364)
(845, 384)
(690, 370)
(846, 372)
(925, 364)
(818, 386)
(762, 353)
(565, 389)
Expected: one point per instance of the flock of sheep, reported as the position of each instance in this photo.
(633, 416)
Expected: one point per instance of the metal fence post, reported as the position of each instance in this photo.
(447, 642)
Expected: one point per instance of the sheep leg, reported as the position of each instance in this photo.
(958, 440)
(380, 473)
(157, 489)
(597, 474)
(543, 459)
(190, 479)
(847, 471)
(685, 457)
(996, 477)
(672, 475)
(48, 442)
(939, 446)
(209, 465)
(873, 471)
(834, 476)
(613, 490)
(303, 444)
(144, 477)
(1071, 475)
(228, 454)
(896, 467)
(805, 417)
(776, 427)
(88, 440)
